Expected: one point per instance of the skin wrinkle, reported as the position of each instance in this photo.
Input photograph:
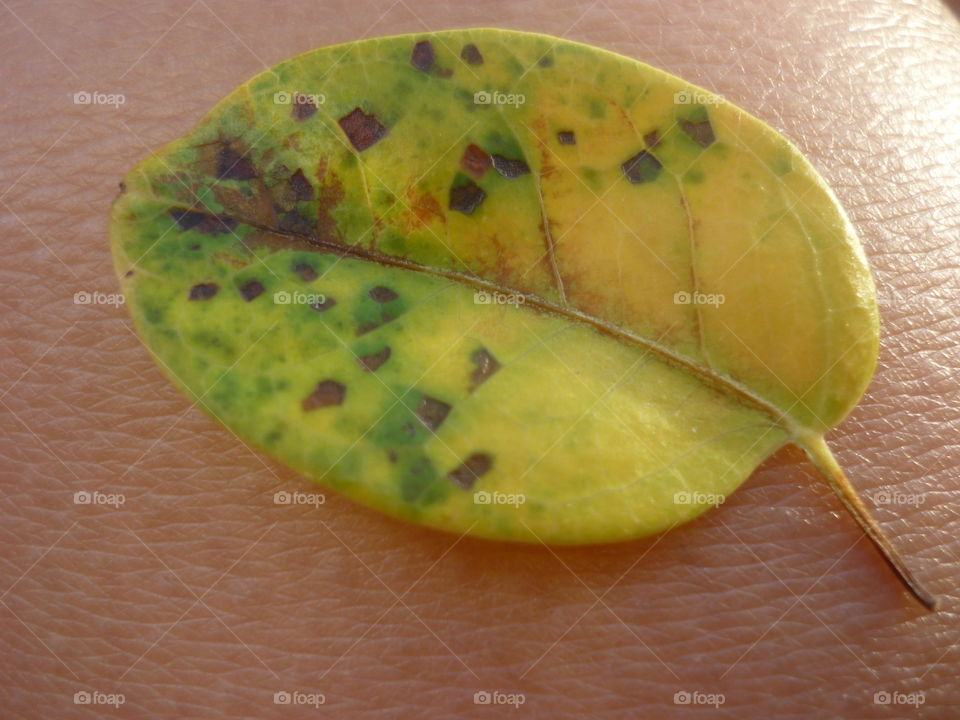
(868, 89)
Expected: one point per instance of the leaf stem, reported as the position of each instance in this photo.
(821, 456)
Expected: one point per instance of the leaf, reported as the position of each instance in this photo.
(501, 283)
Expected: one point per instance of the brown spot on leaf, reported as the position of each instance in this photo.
(232, 165)
(424, 207)
(652, 139)
(385, 317)
(202, 222)
(300, 186)
(509, 167)
(422, 56)
(471, 55)
(566, 137)
(372, 362)
(325, 394)
(382, 294)
(467, 473)
(700, 132)
(466, 198)
(328, 302)
(486, 365)
(303, 107)
(203, 291)
(432, 412)
(475, 161)
(251, 289)
(295, 222)
(361, 129)
(305, 271)
(642, 167)
(545, 61)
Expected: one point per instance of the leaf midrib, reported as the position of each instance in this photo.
(711, 378)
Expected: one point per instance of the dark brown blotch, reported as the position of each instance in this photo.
(466, 198)
(652, 139)
(385, 317)
(251, 289)
(300, 186)
(202, 222)
(509, 167)
(422, 57)
(328, 302)
(471, 55)
(232, 165)
(305, 271)
(475, 161)
(470, 470)
(361, 129)
(303, 107)
(203, 291)
(545, 61)
(432, 412)
(566, 137)
(295, 222)
(700, 132)
(382, 294)
(325, 394)
(642, 167)
(373, 361)
(486, 365)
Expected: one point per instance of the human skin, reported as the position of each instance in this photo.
(199, 597)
